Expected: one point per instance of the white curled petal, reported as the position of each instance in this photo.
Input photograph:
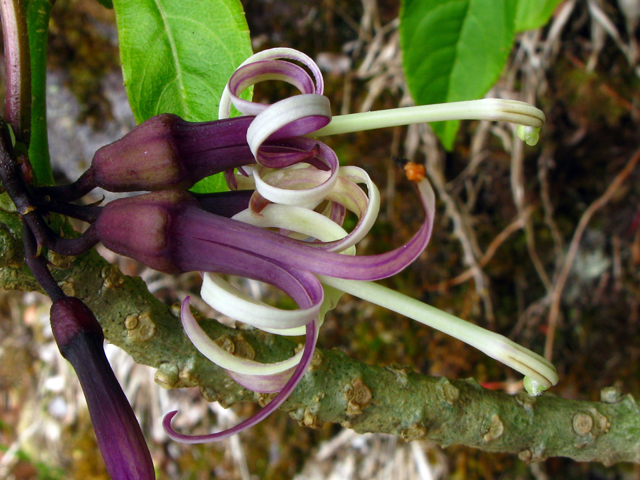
(287, 332)
(286, 186)
(294, 177)
(345, 192)
(262, 383)
(224, 109)
(306, 197)
(228, 300)
(224, 359)
(331, 298)
(283, 113)
(350, 196)
(252, 74)
(296, 219)
(300, 220)
(273, 54)
(365, 222)
(249, 75)
(272, 383)
(291, 54)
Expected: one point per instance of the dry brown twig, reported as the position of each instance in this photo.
(518, 223)
(545, 163)
(459, 217)
(563, 275)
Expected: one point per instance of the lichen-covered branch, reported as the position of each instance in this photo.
(337, 388)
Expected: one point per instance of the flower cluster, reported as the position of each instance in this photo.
(281, 223)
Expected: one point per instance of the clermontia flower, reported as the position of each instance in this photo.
(289, 232)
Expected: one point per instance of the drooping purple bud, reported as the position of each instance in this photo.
(168, 152)
(80, 340)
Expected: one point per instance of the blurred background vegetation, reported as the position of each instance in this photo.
(507, 222)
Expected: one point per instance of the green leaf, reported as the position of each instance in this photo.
(177, 56)
(212, 184)
(454, 50)
(38, 14)
(532, 14)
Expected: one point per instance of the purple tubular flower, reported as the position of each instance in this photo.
(80, 340)
(168, 152)
(161, 153)
(169, 232)
(147, 227)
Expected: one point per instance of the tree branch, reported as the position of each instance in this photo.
(337, 389)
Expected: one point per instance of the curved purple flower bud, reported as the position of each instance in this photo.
(162, 153)
(166, 152)
(169, 232)
(80, 340)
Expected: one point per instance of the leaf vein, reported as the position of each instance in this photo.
(174, 56)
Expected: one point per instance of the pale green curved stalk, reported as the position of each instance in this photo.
(494, 109)
(496, 346)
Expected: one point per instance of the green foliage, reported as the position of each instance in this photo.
(454, 50)
(177, 57)
(533, 14)
(38, 14)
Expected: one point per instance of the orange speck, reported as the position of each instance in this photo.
(414, 171)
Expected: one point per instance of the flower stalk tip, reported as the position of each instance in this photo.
(533, 387)
(528, 134)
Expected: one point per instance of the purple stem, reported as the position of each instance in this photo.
(38, 265)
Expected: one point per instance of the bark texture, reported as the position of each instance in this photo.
(336, 389)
